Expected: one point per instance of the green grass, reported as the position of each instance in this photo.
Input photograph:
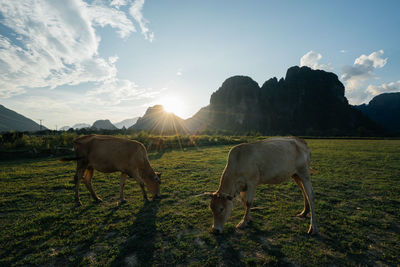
(357, 204)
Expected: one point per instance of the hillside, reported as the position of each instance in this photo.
(157, 121)
(199, 121)
(80, 126)
(305, 102)
(384, 109)
(65, 128)
(103, 125)
(126, 123)
(11, 120)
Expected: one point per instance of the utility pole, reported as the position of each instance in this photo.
(40, 121)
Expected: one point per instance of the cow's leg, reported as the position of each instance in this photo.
(305, 178)
(143, 190)
(306, 209)
(122, 185)
(139, 179)
(80, 169)
(87, 180)
(247, 199)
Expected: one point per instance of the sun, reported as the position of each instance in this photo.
(173, 105)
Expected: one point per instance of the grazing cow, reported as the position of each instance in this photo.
(109, 154)
(270, 161)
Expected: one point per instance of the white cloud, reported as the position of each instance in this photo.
(363, 67)
(113, 59)
(52, 43)
(102, 16)
(384, 88)
(374, 58)
(113, 92)
(343, 51)
(362, 70)
(136, 12)
(118, 3)
(311, 59)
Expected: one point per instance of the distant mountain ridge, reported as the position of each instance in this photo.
(80, 125)
(126, 123)
(103, 125)
(305, 102)
(76, 126)
(11, 120)
(384, 109)
(65, 128)
(157, 121)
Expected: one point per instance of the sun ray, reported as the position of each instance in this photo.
(173, 105)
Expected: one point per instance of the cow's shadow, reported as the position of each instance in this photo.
(139, 247)
(230, 255)
(229, 248)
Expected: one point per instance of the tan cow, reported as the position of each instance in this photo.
(109, 154)
(271, 161)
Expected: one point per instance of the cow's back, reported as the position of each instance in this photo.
(110, 154)
(269, 161)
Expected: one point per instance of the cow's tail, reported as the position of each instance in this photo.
(70, 159)
(313, 171)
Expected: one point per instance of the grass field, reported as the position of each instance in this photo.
(357, 203)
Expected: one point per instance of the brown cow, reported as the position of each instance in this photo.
(109, 154)
(271, 161)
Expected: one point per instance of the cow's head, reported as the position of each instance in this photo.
(221, 206)
(153, 184)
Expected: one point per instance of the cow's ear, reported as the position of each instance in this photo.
(158, 174)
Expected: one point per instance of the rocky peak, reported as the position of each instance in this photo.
(154, 110)
(305, 102)
(235, 104)
(386, 100)
(235, 89)
(103, 125)
(316, 81)
(156, 120)
(384, 109)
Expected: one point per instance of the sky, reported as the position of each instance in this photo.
(76, 61)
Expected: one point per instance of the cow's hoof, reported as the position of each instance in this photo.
(78, 204)
(302, 215)
(216, 231)
(313, 231)
(122, 201)
(98, 200)
(242, 224)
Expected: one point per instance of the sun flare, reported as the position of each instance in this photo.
(173, 105)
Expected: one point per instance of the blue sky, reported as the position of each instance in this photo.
(76, 61)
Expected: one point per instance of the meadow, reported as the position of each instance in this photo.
(357, 200)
